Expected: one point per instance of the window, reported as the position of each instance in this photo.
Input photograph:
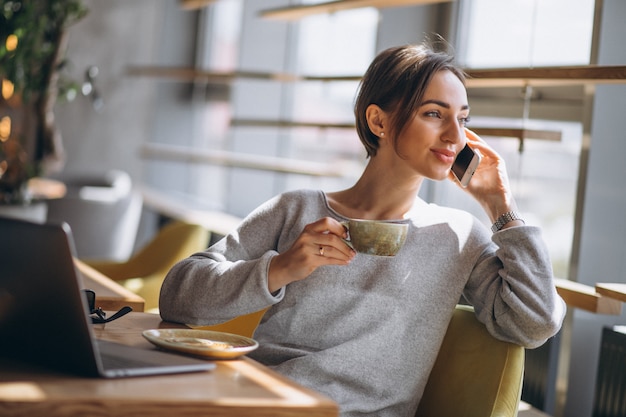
(544, 175)
(522, 33)
(314, 46)
(322, 42)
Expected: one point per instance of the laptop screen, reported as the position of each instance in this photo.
(43, 314)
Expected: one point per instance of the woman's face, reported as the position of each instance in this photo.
(432, 139)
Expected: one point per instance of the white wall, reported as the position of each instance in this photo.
(114, 34)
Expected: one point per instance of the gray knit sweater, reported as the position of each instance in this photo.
(367, 334)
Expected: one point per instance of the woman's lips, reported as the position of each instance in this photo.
(444, 155)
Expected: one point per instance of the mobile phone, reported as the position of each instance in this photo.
(465, 165)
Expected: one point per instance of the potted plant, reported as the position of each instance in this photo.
(33, 42)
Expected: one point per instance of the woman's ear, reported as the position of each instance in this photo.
(376, 120)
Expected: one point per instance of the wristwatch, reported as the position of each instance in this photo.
(509, 216)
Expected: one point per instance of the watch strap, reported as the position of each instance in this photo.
(505, 218)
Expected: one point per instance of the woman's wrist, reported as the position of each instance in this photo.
(508, 219)
(498, 204)
(276, 276)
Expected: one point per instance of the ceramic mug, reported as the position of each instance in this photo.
(376, 237)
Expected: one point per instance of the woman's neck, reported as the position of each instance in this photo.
(378, 194)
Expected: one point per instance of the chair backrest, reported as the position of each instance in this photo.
(475, 374)
(144, 272)
(173, 242)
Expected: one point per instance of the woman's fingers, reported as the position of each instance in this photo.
(327, 235)
(327, 225)
(320, 243)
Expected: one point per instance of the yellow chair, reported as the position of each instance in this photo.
(243, 325)
(475, 375)
(143, 273)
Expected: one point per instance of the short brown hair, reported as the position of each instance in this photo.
(395, 81)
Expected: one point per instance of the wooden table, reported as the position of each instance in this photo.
(109, 294)
(612, 290)
(239, 388)
(587, 297)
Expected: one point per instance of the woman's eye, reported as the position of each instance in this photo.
(433, 114)
(464, 120)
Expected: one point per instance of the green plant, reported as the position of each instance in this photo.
(33, 41)
(39, 28)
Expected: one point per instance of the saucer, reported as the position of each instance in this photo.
(208, 343)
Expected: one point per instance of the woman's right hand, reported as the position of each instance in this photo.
(320, 243)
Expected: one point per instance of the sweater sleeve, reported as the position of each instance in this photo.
(228, 279)
(513, 291)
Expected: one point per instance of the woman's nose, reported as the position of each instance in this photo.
(454, 132)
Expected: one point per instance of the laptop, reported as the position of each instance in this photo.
(44, 317)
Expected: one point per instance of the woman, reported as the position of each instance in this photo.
(362, 329)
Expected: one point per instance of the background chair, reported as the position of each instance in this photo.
(143, 273)
(475, 375)
(103, 212)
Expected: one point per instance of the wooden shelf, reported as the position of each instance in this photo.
(226, 77)
(250, 161)
(546, 76)
(193, 74)
(304, 10)
(507, 132)
(289, 124)
(519, 133)
(478, 78)
(586, 298)
(194, 4)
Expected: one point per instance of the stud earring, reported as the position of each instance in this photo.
(382, 134)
